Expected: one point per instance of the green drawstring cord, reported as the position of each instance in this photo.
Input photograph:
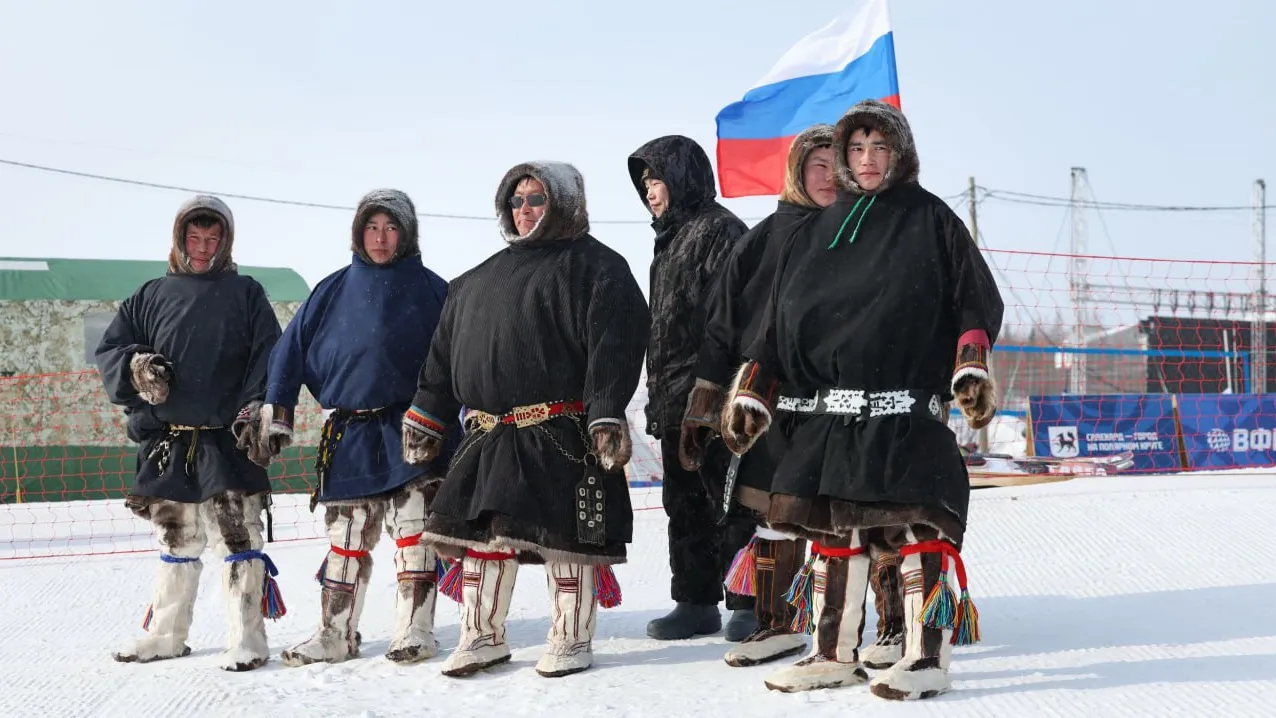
(856, 231)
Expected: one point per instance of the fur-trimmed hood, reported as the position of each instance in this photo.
(812, 138)
(566, 214)
(888, 120)
(682, 164)
(399, 206)
(179, 262)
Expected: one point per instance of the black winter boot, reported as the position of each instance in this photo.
(685, 621)
(743, 622)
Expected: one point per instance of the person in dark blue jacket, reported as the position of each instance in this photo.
(357, 344)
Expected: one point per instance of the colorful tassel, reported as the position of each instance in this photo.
(440, 568)
(606, 587)
(323, 567)
(801, 595)
(966, 632)
(453, 582)
(272, 599)
(146, 622)
(743, 569)
(940, 608)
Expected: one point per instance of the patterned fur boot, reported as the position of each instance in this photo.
(417, 578)
(487, 586)
(839, 586)
(776, 562)
(932, 614)
(573, 617)
(888, 599)
(344, 579)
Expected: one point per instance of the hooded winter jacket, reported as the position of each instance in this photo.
(693, 236)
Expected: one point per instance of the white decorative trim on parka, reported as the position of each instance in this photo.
(971, 371)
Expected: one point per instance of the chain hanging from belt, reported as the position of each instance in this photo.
(589, 498)
(480, 423)
(163, 449)
(334, 428)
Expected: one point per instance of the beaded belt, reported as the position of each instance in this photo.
(861, 405)
(524, 416)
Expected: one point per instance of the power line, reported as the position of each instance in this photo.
(987, 193)
(286, 202)
(1048, 201)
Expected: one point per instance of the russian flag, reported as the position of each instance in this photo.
(849, 60)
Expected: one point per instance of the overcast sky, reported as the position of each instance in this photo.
(1165, 102)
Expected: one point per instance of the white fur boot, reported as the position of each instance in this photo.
(838, 593)
(238, 518)
(573, 617)
(344, 575)
(487, 586)
(418, 580)
(182, 539)
(168, 620)
(928, 652)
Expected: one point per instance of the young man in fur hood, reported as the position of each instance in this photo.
(186, 357)
(872, 301)
(772, 558)
(694, 233)
(356, 344)
(542, 344)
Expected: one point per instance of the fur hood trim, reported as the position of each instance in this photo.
(566, 215)
(811, 139)
(179, 262)
(399, 206)
(890, 121)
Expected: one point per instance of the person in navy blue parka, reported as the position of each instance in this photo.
(357, 344)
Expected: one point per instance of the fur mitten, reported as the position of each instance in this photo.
(702, 419)
(276, 428)
(152, 376)
(612, 444)
(746, 415)
(247, 431)
(422, 437)
(973, 388)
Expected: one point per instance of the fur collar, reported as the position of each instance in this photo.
(566, 215)
(887, 119)
(178, 261)
(398, 205)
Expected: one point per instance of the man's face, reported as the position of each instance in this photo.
(528, 205)
(817, 176)
(657, 196)
(381, 237)
(869, 157)
(201, 246)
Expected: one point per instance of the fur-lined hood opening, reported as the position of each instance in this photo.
(399, 206)
(566, 214)
(179, 262)
(811, 139)
(890, 121)
(682, 164)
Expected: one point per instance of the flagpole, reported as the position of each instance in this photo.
(974, 233)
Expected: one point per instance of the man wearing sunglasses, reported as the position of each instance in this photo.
(694, 234)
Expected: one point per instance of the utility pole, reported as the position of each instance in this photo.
(1258, 329)
(974, 232)
(1077, 283)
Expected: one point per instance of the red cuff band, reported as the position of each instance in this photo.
(407, 541)
(978, 337)
(490, 555)
(834, 551)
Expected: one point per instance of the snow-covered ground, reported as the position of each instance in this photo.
(1147, 596)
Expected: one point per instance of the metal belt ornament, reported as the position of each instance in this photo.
(590, 497)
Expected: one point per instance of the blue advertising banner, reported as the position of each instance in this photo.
(1103, 424)
(1228, 430)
